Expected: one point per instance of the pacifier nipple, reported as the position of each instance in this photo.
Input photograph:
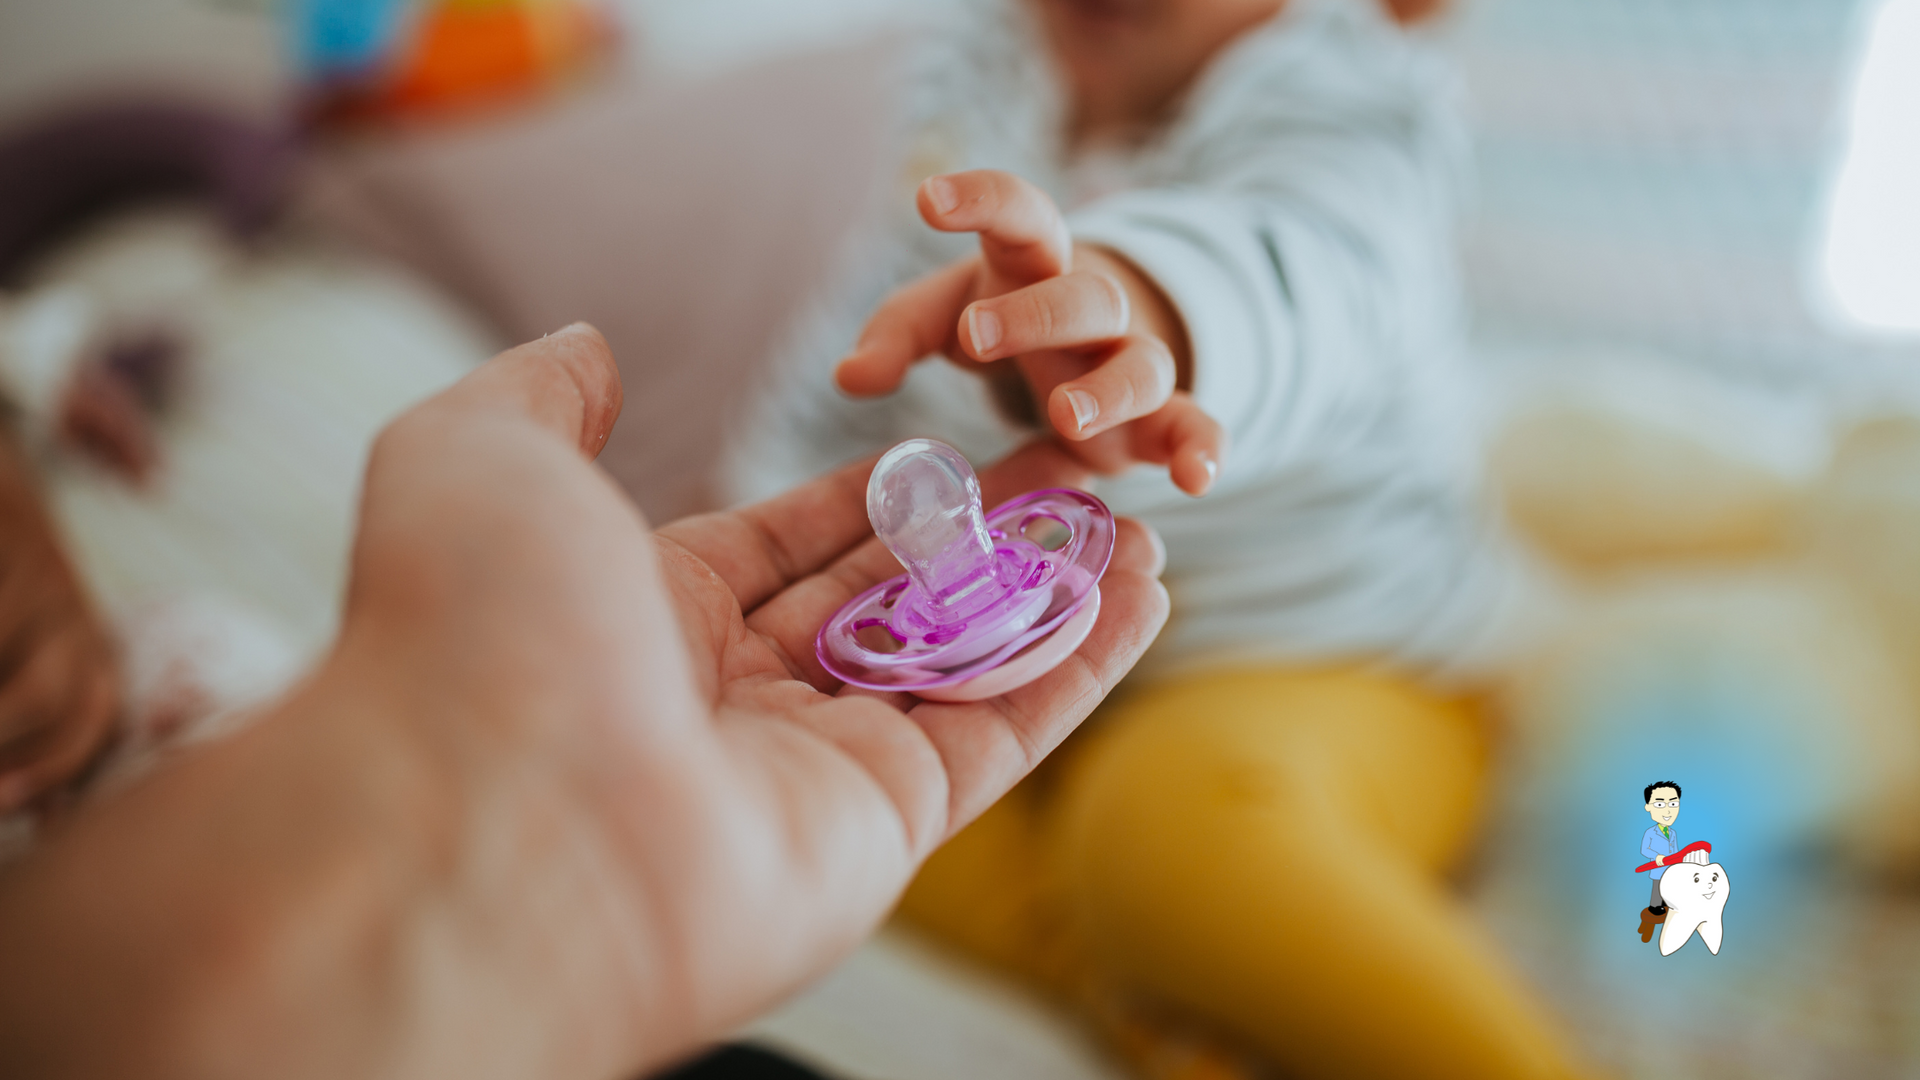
(924, 502)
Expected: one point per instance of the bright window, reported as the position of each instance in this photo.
(1871, 253)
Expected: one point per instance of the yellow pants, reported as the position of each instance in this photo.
(1263, 850)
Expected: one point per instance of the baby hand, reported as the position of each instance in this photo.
(1091, 337)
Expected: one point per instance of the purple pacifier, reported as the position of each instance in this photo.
(989, 602)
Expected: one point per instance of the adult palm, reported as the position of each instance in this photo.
(568, 797)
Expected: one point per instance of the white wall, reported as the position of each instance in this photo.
(700, 36)
(55, 49)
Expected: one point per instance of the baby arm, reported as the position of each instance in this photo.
(1093, 340)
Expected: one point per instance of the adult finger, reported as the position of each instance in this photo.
(1136, 379)
(1058, 313)
(1023, 237)
(566, 382)
(914, 322)
(484, 496)
(987, 746)
(67, 693)
(760, 549)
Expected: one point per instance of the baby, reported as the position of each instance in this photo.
(1253, 287)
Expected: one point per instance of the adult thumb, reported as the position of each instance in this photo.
(566, 382)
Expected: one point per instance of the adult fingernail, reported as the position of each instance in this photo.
(984, 326)
(941, 194)
(1085, 408)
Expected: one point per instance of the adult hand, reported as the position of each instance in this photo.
(567, 798)
(59, 681)
(1099, 347)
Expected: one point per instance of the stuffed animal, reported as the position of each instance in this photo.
(208, 515)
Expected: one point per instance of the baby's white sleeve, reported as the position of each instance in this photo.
(1231, 291)
(1300, 321)
(1302, 225)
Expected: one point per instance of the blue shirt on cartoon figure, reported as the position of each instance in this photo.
(1660, 842)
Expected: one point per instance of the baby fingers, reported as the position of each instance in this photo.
(916, 321)
(1022, 235)
(1181, 434)
(1058, 313)
(1136, 379)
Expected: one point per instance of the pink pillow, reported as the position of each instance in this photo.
(686, 220)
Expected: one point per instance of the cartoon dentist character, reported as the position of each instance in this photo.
(1689, 891)
(1659, 843)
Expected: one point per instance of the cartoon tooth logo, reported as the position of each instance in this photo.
(1689, 893)
(1695, 892)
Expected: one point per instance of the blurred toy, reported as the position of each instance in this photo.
(1739, 608)
(289, 359)
(1738, 561)
(1616, 457)
(989, 602)
(1863, 523)
(375, 58)
(259, 366)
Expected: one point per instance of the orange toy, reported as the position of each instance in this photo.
(460, 53)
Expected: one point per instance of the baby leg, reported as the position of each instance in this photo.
(1263, 849)
(990, 893)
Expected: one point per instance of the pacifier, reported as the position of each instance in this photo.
(989, 602)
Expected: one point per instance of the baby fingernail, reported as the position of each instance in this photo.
(984, 326)
(941, 194)
(1085, 408)
(1213, 468)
